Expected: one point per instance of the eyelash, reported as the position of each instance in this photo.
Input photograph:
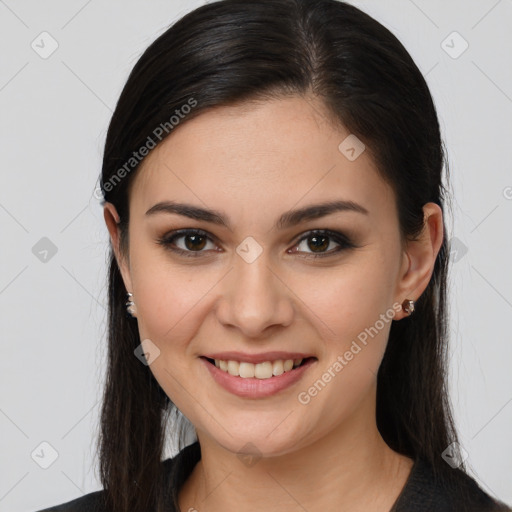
(343, 241)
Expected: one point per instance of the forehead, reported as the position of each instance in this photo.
(271, 154)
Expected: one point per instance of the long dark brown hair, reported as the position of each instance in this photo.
(233, 51)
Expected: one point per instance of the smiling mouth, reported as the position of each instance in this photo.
(264, 370)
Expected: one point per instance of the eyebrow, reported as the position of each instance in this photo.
(286, 220)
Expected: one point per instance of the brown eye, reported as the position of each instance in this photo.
(187, 242)
(316, 243)
(194, 242)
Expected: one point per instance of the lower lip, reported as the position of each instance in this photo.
(256, 388)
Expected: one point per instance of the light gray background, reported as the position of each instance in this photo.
(54, 117)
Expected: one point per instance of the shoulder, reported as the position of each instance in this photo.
(92, 502)
(477, 498)
(424, 493)
(176, 468)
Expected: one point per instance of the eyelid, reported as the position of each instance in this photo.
(167, 240)
(320, 231)
(344, 242)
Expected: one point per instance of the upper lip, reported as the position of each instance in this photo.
(257, 358)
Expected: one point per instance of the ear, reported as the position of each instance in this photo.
(112, 221)
(420, 256)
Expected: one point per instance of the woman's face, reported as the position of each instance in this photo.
(260, 284)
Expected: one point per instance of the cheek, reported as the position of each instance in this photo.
(170, 311)
(345, 301)
(162, 312)
(353, 316)
(171, 300)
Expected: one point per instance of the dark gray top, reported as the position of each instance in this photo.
(421, 493)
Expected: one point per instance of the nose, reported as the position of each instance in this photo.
(254, 298)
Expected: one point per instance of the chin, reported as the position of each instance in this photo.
(258, 443)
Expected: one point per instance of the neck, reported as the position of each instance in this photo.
(350, 469)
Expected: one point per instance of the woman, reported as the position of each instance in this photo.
(273, 191)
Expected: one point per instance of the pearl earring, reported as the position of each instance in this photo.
(130, 305)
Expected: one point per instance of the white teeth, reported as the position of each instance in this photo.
(233, 368)
(264, 370)
(278, 368)
(288, 365)
(246, 370)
